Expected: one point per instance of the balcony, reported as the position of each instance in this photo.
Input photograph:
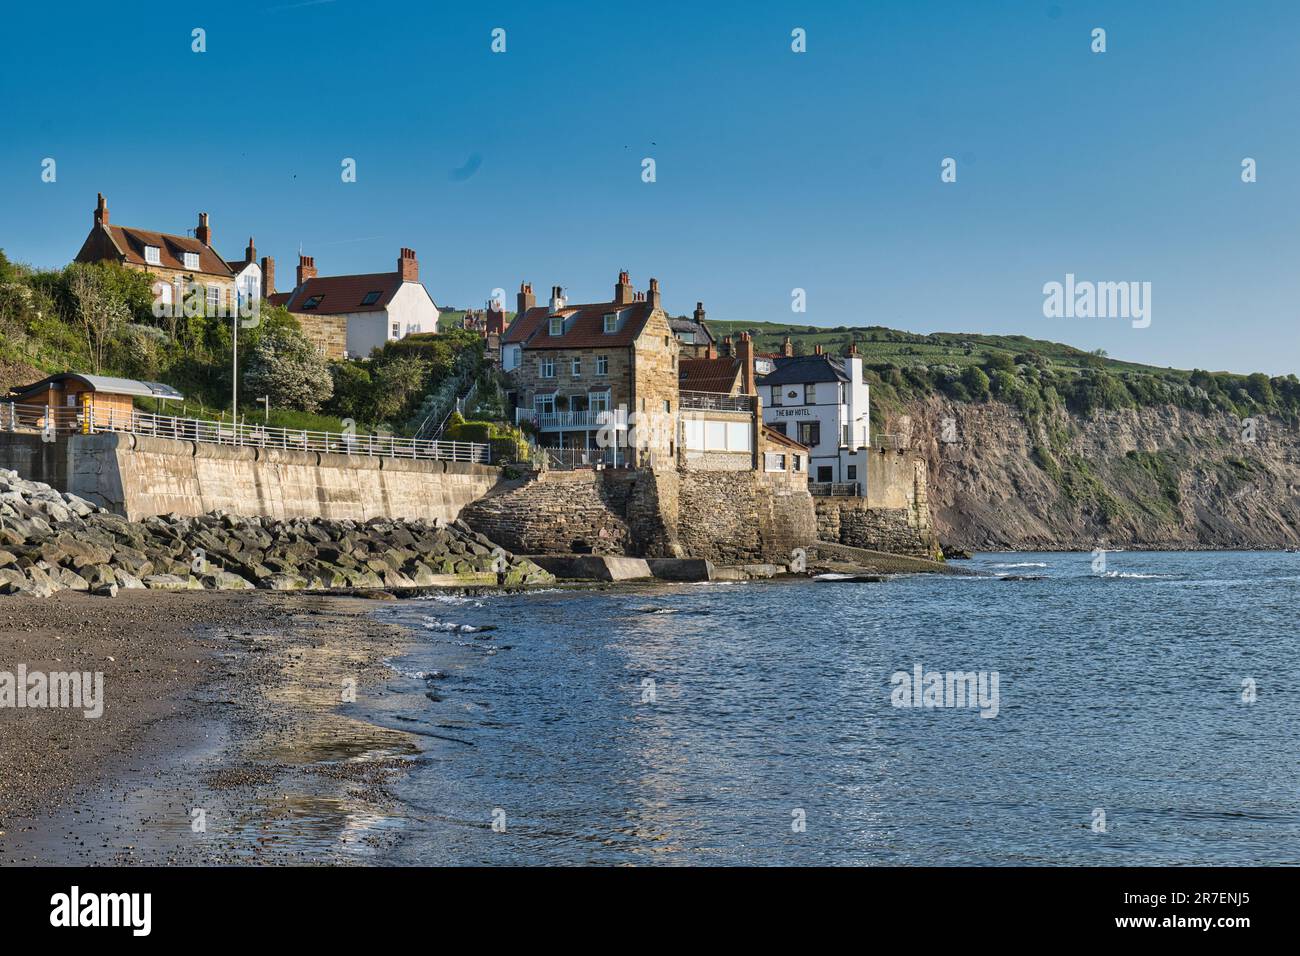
(717, 402)
(834, 489)
(587, 419)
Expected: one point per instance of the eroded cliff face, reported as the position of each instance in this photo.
(1137, 478)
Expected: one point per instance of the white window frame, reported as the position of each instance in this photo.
(546, 368)
(213, 296)
(153, 255)
(610, 322)
(191, 260)
(556, 325)
(395, 330)
(602, 364)
(544, 403)
(575, 368)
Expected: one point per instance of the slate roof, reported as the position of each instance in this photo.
(806, 368)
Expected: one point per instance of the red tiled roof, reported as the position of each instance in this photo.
(584, 326)
(341, 294)
(129, 244)
(279, 298)
(709, 375)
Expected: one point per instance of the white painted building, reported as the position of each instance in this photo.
(821, 401)
(377, 307)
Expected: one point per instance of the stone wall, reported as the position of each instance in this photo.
(327, 333)
(560, 512)
(895, 514)
(728, 517)
(137, 476)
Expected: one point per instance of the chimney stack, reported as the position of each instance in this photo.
(725, 349)
(204, 233)
(495, 320)
(557, 298)
(525, 300)
(623, 293)
(306, 268)
(711, 352)
(852, 349)
(787, 348)
(745, 352)
(699, 313)
(408, 267)
(250, 254)
(653, 295)
(101, 211)
(268, 277)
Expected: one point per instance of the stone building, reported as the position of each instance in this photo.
(254, 280)
(181, 265)
(598, 374)
(694, 338)
(350, 316)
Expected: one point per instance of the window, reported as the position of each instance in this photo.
(798, 462)
(396, 330)
(370, 298)
(810, 393)
(191, 260)
(214, 296)
(512, 357)
(599, 401)
(773, 462)
(546, 367)
(668, 407)
(544, 404)
(853, 472)
(575, 368)
(824, 473)
(777, 427)
(153, 255)
(602, 364)
(315, 300)
(810, 434)
(611, 322)
(844, 439)
(776, 394)
(557, 325)
(687, 338)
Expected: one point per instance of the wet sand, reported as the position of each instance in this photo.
(226, 736)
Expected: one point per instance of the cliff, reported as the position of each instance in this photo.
(1162, 477)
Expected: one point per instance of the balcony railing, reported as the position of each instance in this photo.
(55, 420)
(834, 489)
(717, 402)
(572, 420)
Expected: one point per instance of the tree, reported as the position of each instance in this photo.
(285, 367)
(99, 309)
(397, 381)
(976, 382)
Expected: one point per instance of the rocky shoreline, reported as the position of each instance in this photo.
(52, 541)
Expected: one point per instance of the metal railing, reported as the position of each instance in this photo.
(93, 420)
(572, 459)
(717, 401)
(585, 419)
(834, 489)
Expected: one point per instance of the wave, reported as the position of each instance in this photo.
(1021, 564)
(429, 624)
(1132, 574)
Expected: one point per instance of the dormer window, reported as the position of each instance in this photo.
(153, 255)
(557, 325)
(611, 322)
(312, 302)
(371, 298)
(191, 260)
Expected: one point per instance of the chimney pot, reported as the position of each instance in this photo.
(101, 211)
(204, 233)
(306, 268)
(623, 293)
(653, 295)
(525, 300)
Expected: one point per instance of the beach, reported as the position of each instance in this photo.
(223, 739)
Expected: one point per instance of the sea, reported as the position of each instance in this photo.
(1055, 708)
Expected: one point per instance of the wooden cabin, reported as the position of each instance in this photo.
(77, 400)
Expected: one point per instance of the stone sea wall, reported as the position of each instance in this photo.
(53, 541)
(136, 476)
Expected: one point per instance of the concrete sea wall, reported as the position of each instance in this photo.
(137, 476)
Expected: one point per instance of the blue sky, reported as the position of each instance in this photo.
(775, 170)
